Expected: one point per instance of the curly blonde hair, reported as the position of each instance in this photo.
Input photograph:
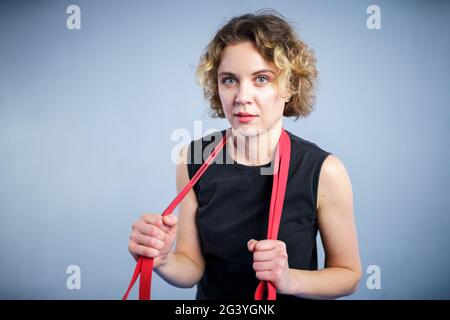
(275, 40)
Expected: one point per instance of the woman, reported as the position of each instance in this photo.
(254, 72)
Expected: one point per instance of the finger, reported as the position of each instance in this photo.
(263, 245)
(264, 255)
(251, 244)
(263, 275)
(143, 250)
(148, 241)
(170, 220)
(263, 266)
(151, 218)
(151, 231)
(156, 220)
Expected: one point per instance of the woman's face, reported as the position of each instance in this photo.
(247, 85)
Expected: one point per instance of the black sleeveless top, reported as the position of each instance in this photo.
(233, 207)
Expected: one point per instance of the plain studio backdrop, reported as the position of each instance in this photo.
(89, 120)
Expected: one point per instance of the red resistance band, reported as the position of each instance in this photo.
(265, 289)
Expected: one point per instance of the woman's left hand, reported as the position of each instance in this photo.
(270, 262)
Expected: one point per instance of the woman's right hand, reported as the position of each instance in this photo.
(152, 236)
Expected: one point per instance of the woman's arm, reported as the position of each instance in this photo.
(184, 266)
(342, 270)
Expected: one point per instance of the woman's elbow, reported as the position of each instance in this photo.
(355, 279)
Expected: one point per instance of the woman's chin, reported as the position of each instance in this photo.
(246, 130)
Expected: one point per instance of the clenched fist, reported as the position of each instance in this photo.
(153, 236)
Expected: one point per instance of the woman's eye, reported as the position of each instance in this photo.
(228, 81)
(262, 79)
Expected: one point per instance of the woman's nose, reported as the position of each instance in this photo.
(244, 93)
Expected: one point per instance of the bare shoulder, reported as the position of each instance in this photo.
(336, 219)
(334, 183)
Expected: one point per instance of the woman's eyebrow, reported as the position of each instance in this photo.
(227, 73)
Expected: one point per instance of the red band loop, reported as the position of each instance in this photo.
(265, 289)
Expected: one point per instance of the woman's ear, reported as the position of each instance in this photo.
(285, 90)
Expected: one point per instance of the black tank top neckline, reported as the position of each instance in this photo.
(233, 207)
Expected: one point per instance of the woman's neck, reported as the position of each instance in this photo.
(254, 150)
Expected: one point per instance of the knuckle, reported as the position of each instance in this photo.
(153, 231)
(159, 244)
(281, 253)
(134, 235)
(157, 220)
(151, 242)
(150, 231)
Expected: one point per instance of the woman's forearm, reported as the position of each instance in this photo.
(327, 283)
(179, 270)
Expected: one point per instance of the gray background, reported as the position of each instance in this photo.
(86, 118)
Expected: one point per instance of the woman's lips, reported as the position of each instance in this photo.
(245, 117)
